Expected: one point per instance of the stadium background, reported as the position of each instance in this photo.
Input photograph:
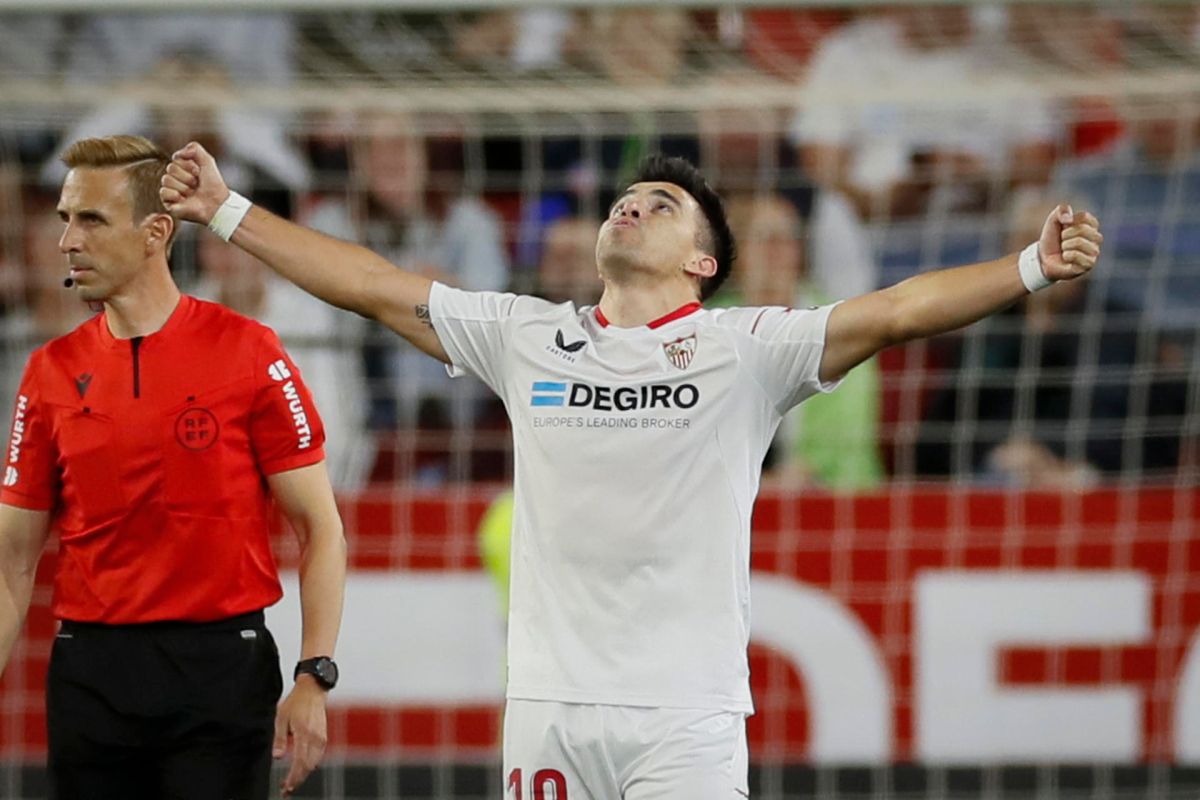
(999, 598)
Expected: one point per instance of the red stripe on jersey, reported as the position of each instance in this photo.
(678, 313)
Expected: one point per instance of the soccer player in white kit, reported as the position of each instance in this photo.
(640, 426)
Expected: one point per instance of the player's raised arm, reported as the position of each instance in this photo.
(341, 273)
(945, 300)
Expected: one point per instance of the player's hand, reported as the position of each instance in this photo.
(1070, 243)
(300, 721)
(193, 189)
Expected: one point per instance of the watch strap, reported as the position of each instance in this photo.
(323, 669)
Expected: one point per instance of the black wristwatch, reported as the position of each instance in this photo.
(323, 668)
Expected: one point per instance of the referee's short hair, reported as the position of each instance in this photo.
(144, 162)
(713, 237)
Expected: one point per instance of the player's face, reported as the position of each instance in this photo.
(104, 245)
(652, 227)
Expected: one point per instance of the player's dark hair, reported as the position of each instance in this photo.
(714, 237)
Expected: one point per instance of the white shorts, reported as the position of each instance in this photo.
(573, 751)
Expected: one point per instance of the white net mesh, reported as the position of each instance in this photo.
(1048, 454)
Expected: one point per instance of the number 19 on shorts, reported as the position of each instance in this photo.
(546, 784)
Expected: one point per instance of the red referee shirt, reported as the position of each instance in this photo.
(152, 452)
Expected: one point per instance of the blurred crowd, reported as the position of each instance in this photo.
(882, 167)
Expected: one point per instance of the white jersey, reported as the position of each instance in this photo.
(638, 454)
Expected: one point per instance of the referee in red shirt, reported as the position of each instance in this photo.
(156, 438)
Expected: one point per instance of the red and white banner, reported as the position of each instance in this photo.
(931, 625)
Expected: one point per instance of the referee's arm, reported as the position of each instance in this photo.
(306, 498)
(22, 538)
(341, 273)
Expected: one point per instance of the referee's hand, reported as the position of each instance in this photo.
(300, 723)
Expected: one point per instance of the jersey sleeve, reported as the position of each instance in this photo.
(31, 478)
(286, 431)
(471, 328)
(783, 347)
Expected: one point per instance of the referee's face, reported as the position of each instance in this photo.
(105, 247)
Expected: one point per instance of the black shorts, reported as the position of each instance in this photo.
(162, 711)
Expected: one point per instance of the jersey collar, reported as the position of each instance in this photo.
(678, 313)
(178, 314)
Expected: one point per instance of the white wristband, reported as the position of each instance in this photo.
(1030, 266)
(229, 216)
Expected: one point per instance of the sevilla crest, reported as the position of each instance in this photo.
(681, 351)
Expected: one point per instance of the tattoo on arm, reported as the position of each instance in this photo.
(423, 314)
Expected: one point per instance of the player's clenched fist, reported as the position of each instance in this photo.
(1070, 243)
(192, 188)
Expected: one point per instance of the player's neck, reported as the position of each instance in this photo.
(143, 307)
(634, 306)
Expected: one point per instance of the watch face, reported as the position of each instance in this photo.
(327, 672)
(322, 668)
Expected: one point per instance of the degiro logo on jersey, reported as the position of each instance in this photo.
(613, 398)
(548, 393)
